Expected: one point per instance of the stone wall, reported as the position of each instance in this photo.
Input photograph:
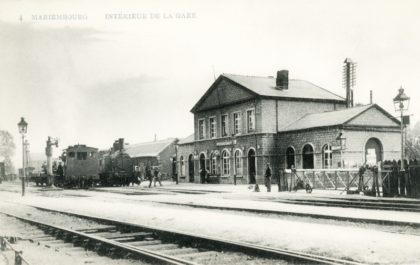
(262, 144)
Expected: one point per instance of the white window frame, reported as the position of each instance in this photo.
(327, 151)
(204, 129)
(226, 126)
(212, 129)
(238, 161)
(213, 164)
(225, 163)
(182, 166)
(237, 124)
(249, 130)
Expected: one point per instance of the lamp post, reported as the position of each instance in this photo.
(401, 103)
(27, 158)
(23, 126)
(342, 140)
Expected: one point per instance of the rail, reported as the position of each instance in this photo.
(19, 259)
(175, 236)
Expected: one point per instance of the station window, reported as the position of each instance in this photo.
(237, 123)
(225, 125)
(250, 116)
(182, 166)
(213, 163)
(226, 163)
(71, 154)
(201, 129)
(238, 162)
(327, 156)
(212, 127)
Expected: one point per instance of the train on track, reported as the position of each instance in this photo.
(86, 167)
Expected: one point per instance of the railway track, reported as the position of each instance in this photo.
(157, 246)
(346, 203)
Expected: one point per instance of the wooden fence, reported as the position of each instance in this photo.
(386, 181)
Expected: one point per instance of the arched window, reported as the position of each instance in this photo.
(226, 162)
(308, 157)
(326, 156)
(182, 165)
(238, 162)
(290, 157)
(213, 164)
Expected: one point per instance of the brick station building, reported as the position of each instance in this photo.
(243, 122)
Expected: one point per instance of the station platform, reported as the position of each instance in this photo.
(244, 198)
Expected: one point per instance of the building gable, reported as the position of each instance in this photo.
(223, 92)
(373, 117)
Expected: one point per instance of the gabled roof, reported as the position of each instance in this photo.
(333, 118)
(266, 86)
(149, 149)
(186, 140)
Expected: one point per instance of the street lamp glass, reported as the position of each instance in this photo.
(343, 142)
(22, 125)
(401, 101)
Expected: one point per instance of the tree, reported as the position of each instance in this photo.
(7, 150)
(412, 143)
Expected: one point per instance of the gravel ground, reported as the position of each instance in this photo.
(76, 223)
(42, 254)
(341, 241)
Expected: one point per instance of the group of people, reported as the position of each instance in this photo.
(153, 176)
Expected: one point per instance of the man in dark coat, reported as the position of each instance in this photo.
(156, 174)
(267, 177)
(149, 175)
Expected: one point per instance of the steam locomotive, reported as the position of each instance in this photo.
(86, 167)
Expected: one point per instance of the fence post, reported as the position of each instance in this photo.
(348, 181)
(335, 179)
(380, 185)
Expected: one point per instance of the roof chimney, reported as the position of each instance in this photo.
(282, 80)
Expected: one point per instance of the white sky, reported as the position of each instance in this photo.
(92, 81)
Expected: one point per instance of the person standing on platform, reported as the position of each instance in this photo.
(149, 175)
(267, 177)
(157, 174)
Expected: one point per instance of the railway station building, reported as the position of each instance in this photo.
(157, 153)
(242, 123)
